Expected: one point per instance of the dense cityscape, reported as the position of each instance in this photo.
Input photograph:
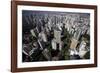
(55, 36)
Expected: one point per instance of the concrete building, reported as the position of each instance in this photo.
(74, 43)
(82, 49)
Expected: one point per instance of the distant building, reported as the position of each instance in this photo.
(77, 34)
(57, 39)
(46, 54)
(73, 52)
(53, 43)
(57, 35)
(42, 35)
(29, 49)
(82, 49)
(74, 43)
(33, 33)
(41, 44)
(88, 31)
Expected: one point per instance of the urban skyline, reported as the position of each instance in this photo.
(54, 36)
